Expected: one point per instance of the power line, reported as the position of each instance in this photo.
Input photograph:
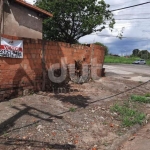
(132, 19)
(130, 6)
(133, 14)
(122, 92)
(113, 36)
(67, 111)
(121, 3)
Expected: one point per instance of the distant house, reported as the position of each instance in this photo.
(23, 19)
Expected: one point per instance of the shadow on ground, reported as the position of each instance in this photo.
(6, 127)
(7, 124)
(78, 100)
(34, 144)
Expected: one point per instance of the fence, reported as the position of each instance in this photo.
(20, 75)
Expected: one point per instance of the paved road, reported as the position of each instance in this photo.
(131, 72)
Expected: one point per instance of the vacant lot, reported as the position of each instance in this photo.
(123, 60)
(83, 118)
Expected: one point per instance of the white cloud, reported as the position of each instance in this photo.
(137, 30)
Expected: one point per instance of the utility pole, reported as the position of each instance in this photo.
(1, 16)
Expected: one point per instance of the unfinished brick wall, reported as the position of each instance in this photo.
(17, 75)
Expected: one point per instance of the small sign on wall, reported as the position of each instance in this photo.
(11, 48)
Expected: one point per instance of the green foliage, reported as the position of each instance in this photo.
(106, 48)
(144, 54)
(128, 116)
(73, 19)
(147, 95)
(72, 109)
(123, 60)
(114, 59)
(135, 52)
(142, 99)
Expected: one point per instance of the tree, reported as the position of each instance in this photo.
(144, 54)
(149, 55)
(135, 52)
(73, 19)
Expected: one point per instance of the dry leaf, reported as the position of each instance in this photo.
(111, 125)
(76, 142)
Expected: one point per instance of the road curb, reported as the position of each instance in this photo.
(118, 142)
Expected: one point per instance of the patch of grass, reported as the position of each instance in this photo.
(141, 99)
(147, 95)
(105, 144)
(123, 60)
(105, 123)
(128, 116)
(5, 134)
(114, 59)
(72, 109)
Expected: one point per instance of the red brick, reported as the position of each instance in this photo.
(12, 71)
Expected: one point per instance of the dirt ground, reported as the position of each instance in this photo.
(140, 140)
(76, 119)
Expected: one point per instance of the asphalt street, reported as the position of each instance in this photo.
(128, 71)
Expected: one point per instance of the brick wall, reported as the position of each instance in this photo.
(20, 75)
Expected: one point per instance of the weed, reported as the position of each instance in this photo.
(5, 134)
(128, 116)
(105, 123)
(72, 109)
(147, 95)
(142, 99)
(105, 144)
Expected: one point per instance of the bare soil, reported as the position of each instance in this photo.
(76, 119)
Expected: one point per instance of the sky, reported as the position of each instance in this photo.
(136, 31)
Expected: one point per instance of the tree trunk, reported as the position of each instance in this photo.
(1, 16)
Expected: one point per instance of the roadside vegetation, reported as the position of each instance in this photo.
(142, 99)
(122, 60)
(128, 112)
(147, 94)
(136, 55)
(128, 115)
